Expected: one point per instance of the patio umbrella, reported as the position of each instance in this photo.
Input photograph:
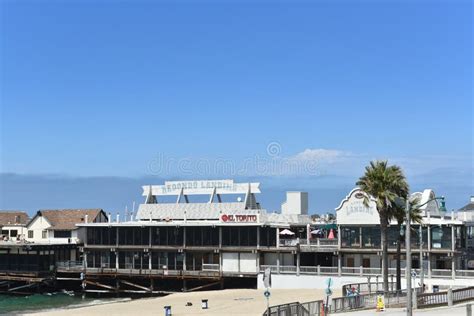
(316, 231)
(286, 232)
(331, 234)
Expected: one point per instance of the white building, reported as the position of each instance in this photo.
(296, 203)
(13, 225)
(441, 237)
(59, 226)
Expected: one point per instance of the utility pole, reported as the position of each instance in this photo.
(408, 258)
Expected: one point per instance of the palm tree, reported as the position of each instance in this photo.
(399, 213)
(385, 184)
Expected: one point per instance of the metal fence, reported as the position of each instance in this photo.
(363, 288)
(445, 298)
(348, 303)
(290, 309)
(70, 265)
(465, 294)
(432, 299)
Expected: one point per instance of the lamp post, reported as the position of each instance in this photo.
(422, 277)
(408, 259)
(408, 250)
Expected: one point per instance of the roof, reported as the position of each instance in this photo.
(467, 208)
(193, 210)
(289, 219)
(13, 218)
(67, 219)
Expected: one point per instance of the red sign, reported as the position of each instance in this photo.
(239, 218)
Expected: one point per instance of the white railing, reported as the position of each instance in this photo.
(313, 242)
(371, 271)
(210, 267)
(288, 269)
(351, 270)
(289, 242)
(69, 265)
(441, 273)
(359, 271)
(328, 270)
(310, 270)
(465, 273)
(273, 268)
(324, 242)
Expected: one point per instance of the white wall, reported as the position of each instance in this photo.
(352, 210)
(230, 261)
(20, 229)
(239, 262)
(248, 262)
(296, 203)
(37, 226)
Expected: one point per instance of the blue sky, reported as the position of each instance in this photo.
(103, 90)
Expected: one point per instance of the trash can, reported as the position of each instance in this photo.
(204, 304)
(167, 310)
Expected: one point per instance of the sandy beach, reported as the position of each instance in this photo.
(225, 302)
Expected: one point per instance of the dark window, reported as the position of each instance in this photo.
(126, 235)
(264, 236)
(13, 233)
(62, 234)
(240, 236)
(93, 235)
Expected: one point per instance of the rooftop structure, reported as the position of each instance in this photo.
(13, 218)
(296, 203)
(468, 207)
(66, 219)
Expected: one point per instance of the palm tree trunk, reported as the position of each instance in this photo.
(383, 229)
(399, 252)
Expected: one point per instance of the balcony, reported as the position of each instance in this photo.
(323, 243)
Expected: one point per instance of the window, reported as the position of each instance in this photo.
(62, 234)
(13, 233)
(350, 262)
(366, 262)
(30, 234)
(44, 234)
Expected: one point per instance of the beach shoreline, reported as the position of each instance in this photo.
(220, 302)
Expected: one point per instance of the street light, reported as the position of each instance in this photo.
(408, 249)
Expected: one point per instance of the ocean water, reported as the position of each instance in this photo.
(10, 305)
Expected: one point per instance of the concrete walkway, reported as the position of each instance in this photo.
(437, 311)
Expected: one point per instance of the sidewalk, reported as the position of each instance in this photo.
(441, 311)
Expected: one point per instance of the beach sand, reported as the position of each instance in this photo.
(225, 302)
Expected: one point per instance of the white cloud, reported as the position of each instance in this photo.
(321, 155)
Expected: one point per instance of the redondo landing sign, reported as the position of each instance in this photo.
(197, 187)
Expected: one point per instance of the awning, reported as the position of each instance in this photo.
(330, 226)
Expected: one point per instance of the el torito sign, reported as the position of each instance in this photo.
(234, 218)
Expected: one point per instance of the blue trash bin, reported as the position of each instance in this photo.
(167, 310)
